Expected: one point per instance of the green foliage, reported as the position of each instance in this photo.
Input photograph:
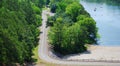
(53, 8)
(50, 21)
(19, 20)
(71, 27)
(73, 10)
(90, 24)
(67, 39)
(36, 9)
(38, 20)
(47, 2)
(39, 3)
(12, 5)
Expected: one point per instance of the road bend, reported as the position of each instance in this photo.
(44, 51)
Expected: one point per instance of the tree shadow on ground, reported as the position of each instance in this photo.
(71, 55)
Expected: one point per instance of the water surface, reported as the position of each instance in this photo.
(107, 16)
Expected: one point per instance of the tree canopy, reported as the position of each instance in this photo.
(71, 27)
(19, 20)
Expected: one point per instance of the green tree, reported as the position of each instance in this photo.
(73, 10)
(56, 34)
(69, 35)
(18, 30)
(90, 24)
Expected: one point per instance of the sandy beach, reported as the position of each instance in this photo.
(97, 53)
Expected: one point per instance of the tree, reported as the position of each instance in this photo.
(18, 31)
(73, 43)
(41, 3)
(69, 35)
(90, 24)
(47, 2)
(73, 10)
(56, 34)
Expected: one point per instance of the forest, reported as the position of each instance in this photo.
(19, 20)
(71, 27)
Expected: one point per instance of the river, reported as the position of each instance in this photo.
(107, 17)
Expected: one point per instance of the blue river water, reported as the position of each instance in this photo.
(107, 17)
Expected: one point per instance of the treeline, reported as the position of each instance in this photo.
(71, 27)
(19, 20)
(110, 2)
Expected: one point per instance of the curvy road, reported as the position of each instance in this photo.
(44, 52)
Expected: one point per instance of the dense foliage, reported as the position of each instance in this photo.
(71, 27)
(19, 20)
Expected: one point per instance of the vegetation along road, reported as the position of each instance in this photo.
(71, 29)
(44, 52)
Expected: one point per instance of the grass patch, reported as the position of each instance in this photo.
(38, 61)
(45, 8)
(36, 57)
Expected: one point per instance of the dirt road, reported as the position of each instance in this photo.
(44, 52)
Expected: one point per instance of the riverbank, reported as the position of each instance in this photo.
(43, 51)
(99, 53)
(108, 26)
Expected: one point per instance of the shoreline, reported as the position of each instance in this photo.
(97, 53)
(43, 50)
